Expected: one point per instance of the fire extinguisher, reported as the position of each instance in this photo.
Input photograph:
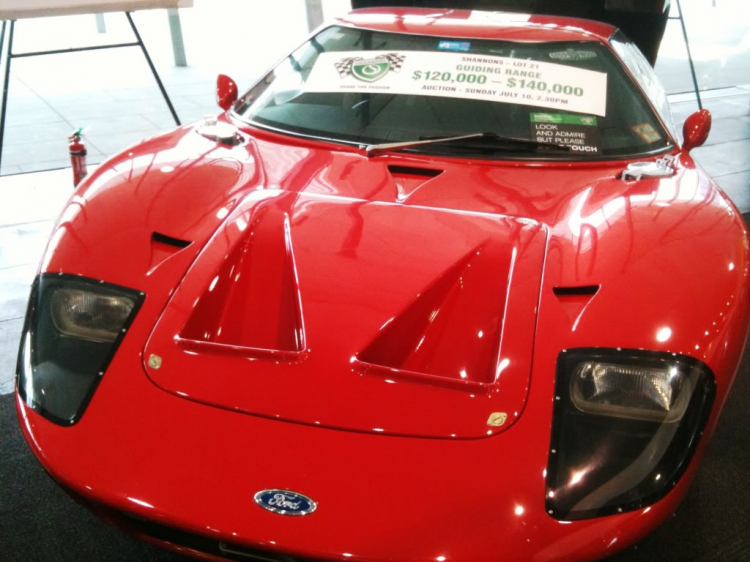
(77, 156)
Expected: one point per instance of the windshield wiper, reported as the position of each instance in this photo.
(498, 142)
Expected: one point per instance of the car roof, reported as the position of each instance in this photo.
(477, 24)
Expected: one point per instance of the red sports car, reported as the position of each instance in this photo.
(443, 285)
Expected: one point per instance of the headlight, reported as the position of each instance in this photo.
(630, 391)
(73, 328)
(89, 316)
(625, 425)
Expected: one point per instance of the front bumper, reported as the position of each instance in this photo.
(194, 469)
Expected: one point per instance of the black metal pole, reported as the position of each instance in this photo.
(690, 57)
(152, 67)
(6, 83)
(74, 50)
(2, 37)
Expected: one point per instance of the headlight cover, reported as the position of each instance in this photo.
(73, 328)
(630, 391)
(626, 423)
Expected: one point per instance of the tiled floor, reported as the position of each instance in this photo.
(50, 96)
(30, 204)
(726, 154)
(719, 33)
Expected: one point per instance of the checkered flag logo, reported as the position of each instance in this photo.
(344, 66)
(395, 60)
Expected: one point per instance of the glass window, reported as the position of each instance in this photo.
(646, 77)
(624, 125)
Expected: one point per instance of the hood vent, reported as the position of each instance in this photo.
(575, 299)
(159, 238)
(408, 179)
(252, 303)
(164, 247)
(584, 290)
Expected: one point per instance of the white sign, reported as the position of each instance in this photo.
(461, 75)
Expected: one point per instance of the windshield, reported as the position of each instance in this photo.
(368, 87)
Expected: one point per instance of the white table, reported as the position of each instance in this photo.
(12, 10)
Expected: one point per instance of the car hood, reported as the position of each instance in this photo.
(355, 315)
(313, 305)
(394, 295)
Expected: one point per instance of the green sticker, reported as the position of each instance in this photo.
(562, 119)
(370, 70)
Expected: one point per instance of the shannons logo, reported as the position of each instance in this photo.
(572, 55)
(369, 70)
(545, 118)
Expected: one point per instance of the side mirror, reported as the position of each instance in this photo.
(696, 129)
(226, 91)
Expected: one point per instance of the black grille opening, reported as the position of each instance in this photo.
(164, 239)
(584, 290)
(409, 170)
(165, 533)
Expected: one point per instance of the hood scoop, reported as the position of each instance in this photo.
(252, 304)
(408, 179)
(420, 343)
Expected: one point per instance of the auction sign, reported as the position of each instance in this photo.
(461, 75)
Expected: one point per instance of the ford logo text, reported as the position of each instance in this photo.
(285, 502)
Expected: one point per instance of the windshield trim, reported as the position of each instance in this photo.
(671, 143)
(413, 151)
